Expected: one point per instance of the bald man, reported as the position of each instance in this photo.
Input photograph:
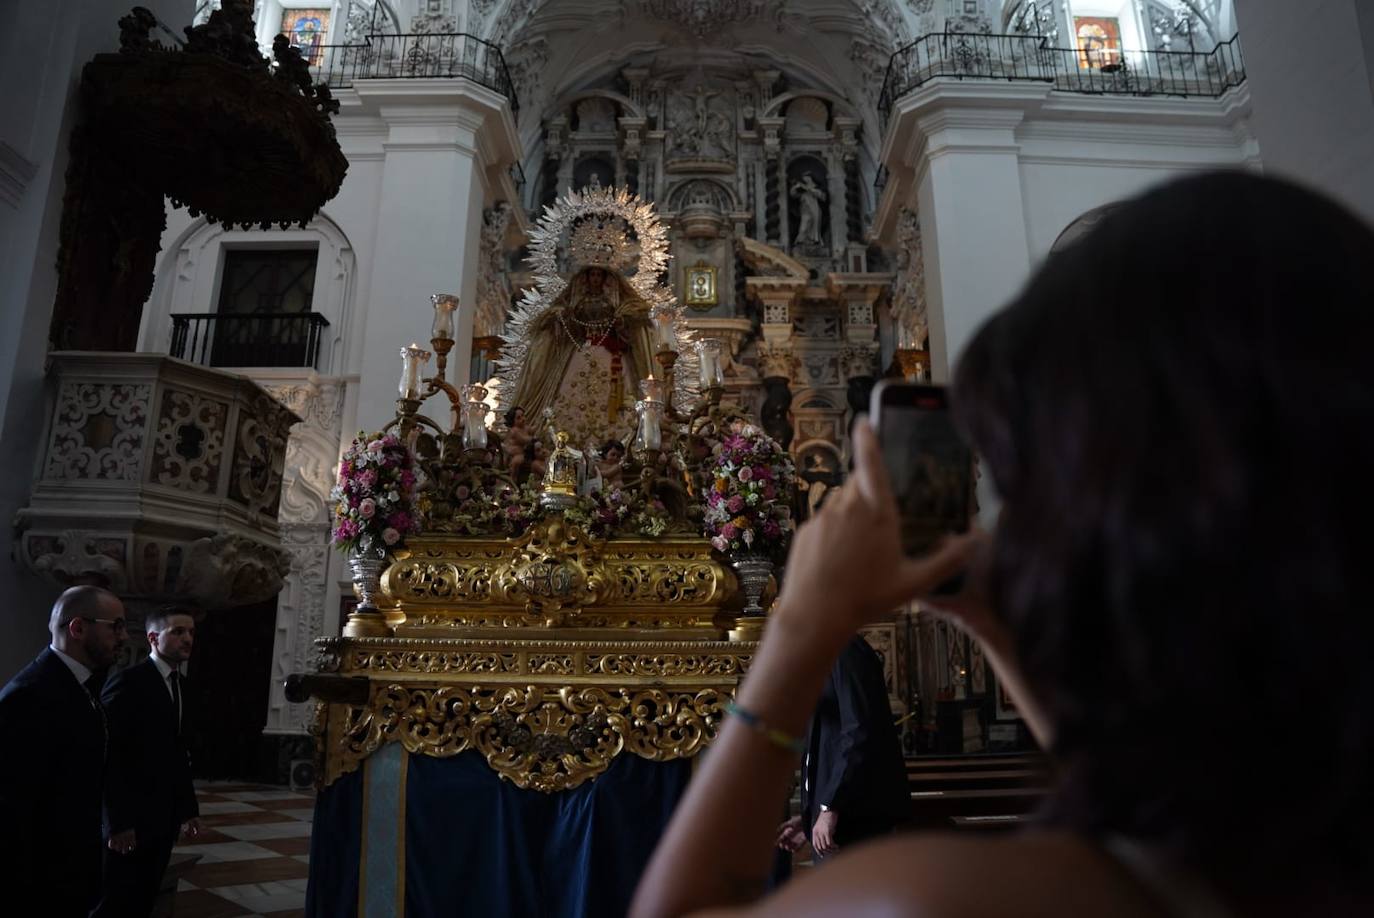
(52, 769)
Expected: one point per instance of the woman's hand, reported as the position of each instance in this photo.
(847, 566)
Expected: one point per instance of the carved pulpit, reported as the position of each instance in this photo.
(507, 729)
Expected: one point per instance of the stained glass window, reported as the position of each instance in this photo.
(1099, 41)
(307, 28)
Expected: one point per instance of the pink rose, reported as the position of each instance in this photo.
(735, 504)
(720, 543)
(367, 508)
(729, 531)
(390, 536)
(746, 473)
(462, 492)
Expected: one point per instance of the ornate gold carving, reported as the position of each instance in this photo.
(544, 738)
(547, 714)
(554, 576)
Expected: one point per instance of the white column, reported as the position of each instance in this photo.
(448, 146)
(972, 222)
(1310, 70)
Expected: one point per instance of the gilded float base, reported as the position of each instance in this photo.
(547, 714)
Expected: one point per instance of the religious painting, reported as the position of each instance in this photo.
(1099, 41)
(699, 283)
(307, 29)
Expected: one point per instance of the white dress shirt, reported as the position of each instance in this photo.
(165, 669)
(80, 670)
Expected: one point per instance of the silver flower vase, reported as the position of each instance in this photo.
(753, 569)
(366, 620)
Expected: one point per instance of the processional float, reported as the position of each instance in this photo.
(552, 612)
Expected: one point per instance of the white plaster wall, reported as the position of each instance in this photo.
(1311, 75)
(42, 49)
(996, 172)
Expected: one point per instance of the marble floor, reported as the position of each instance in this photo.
(254, 853)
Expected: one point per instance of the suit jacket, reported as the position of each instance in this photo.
(50, 786)
(854, 762)
(149, 788)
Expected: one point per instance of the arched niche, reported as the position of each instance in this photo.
(192, 268)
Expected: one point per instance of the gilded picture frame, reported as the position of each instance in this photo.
(699, 286)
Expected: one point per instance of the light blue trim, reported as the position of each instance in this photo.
(381, 836)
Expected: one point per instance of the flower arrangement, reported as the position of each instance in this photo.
(377, 495)
(618, 511)
(750, 484)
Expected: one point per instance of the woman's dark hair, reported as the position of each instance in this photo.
(1178, 412)
(612, 444)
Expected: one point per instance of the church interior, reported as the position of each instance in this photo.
(466, 365)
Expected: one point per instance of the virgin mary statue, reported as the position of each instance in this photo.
(585, 356)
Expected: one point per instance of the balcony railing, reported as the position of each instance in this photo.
(269, 339)
(419, 56)
(968, 56)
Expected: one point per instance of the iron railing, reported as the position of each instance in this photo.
(265, 339)
(417, 56)
(969, 56)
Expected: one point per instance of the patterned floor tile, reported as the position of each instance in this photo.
(238, 873)
(253, 832)
(219, 852)
(286, 846)
(201, 903)
(220, 807)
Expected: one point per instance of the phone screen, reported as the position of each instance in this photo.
(930, 466)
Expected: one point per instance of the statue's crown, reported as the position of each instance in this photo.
(602, 242)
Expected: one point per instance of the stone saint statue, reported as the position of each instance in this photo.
(586, 355)
(808, 196)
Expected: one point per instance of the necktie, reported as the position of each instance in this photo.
(175, 678)
(92, 686)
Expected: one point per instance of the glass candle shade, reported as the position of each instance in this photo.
(474, 417)
(711, 375)
(650, 433)
(413, 358)
(445, 305)
(665, 335)
(906, 341)
(651, 389)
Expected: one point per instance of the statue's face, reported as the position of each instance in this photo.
(519, 417)
(614, 454)
(596, 279)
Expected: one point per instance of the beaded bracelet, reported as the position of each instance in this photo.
(779, 738)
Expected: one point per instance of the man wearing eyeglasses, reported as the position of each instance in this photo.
(51, 773)
(149, 797)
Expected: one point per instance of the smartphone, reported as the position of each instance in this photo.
(930, 466)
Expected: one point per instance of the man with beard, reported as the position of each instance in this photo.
(51, 774)
(149, 797)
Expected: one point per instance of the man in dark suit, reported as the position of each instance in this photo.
(853, 776)
(52, 769)
(149, 797)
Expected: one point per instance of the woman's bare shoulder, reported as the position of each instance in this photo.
(1030, 874)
